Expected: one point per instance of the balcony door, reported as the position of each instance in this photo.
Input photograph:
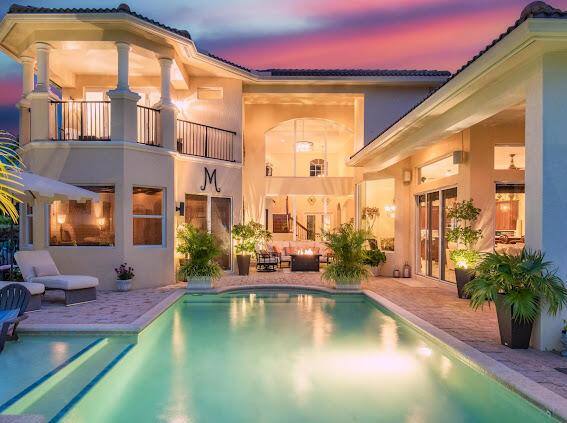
(432, 250)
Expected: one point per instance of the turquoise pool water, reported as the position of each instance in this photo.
(255, 357)
(291, 357)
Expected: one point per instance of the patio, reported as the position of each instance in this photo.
(433, 302)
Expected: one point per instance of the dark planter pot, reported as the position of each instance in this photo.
(243, 264)
(513, 334)
(463, 276)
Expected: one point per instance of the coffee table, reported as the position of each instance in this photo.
(305, 262)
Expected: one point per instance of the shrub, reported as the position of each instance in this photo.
(347, 245)
(465, 214)
(124, 272)
(374, 258)
(248, 235)
(201, 249)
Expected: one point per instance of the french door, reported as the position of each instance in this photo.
(212, 214)
(432, 223)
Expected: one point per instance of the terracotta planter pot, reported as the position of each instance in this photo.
(513, 333)
(463, 276)
(375, 270)
(243, 264)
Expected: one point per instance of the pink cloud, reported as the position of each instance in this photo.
(11, 90)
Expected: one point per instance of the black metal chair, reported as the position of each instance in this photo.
(266, 261)
(14, 300)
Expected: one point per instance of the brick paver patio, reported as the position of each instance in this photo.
(434, 302)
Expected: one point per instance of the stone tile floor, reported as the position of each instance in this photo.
(432, 301)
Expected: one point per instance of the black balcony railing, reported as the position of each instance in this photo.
(205, 141)
(148, 126)
(80, 120)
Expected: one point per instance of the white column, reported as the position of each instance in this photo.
(123, 50)
(27, 75)
(546, 197)
(42, 57)
(165, 64)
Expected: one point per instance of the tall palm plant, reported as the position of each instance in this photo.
(9, 180)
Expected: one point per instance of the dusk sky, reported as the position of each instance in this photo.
(401, 34)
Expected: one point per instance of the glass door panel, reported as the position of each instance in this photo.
(196, 211)
(423, 234)
(448, 268)
(310, 225)
(221, 210)
(433, 247)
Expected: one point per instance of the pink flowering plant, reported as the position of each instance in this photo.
(124, 272)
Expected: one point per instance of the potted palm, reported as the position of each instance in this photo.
(347, 269)
(464, 256)
(200, 250)
(519, 285)
(124, 276)
(374, 259)
(246, 237)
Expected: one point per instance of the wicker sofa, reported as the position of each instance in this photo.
(284, 249)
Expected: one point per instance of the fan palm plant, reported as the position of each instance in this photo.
(347, 244)
(520, 285)
(9, 181)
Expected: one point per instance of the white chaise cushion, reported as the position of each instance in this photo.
(67, 282)
(28, 260)
(33, 288)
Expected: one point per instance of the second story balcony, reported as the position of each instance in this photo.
(87, 107)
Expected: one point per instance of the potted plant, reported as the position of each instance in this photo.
(200, 249)
(124, 276)
(247, 236)
(519, 285)
(463, 214)
(347, 245)
(374, 259)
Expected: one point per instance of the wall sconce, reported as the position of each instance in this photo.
(407, 176)
(61, 218)
(100, 222)
(180, 207)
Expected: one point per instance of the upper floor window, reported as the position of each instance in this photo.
(317, 167)
(83, 224)
(148, 216)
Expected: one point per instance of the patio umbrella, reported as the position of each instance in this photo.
(35, 187)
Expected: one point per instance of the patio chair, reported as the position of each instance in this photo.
(38, 266)
(36, 290)
(266, 261)
(14, 300)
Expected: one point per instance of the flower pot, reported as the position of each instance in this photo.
(513, 333)
(123, 285)
(203, 282)
(243, 264)
(463, 276)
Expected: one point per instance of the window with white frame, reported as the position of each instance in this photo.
(148, 216)
(317, 167)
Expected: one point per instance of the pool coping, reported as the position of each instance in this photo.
(532, 391)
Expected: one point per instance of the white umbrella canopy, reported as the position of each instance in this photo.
(35, 187)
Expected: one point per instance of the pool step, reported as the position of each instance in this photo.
(68, 385)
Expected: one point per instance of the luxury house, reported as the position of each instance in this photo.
(167, 133)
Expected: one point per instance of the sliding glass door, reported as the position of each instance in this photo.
(431, 225)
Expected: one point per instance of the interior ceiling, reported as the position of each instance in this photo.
(282, 138)
(439, 169)
(300, 99)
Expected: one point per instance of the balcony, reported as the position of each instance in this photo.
(199, 140)
(91, 121)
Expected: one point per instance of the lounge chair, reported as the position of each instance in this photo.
(36, 290)
(14, 300)
(38, 266)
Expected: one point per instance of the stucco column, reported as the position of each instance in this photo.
(165, 64)
(27, 75)
(42, 57)
(123, 106)
(545, 175)
(168, 111)
(39, 97)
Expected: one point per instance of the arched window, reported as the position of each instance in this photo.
(317, 167)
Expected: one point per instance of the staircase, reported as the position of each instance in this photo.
(300, 230)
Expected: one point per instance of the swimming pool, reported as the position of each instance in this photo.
(283, 357)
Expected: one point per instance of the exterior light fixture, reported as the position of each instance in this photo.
(303, 146)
